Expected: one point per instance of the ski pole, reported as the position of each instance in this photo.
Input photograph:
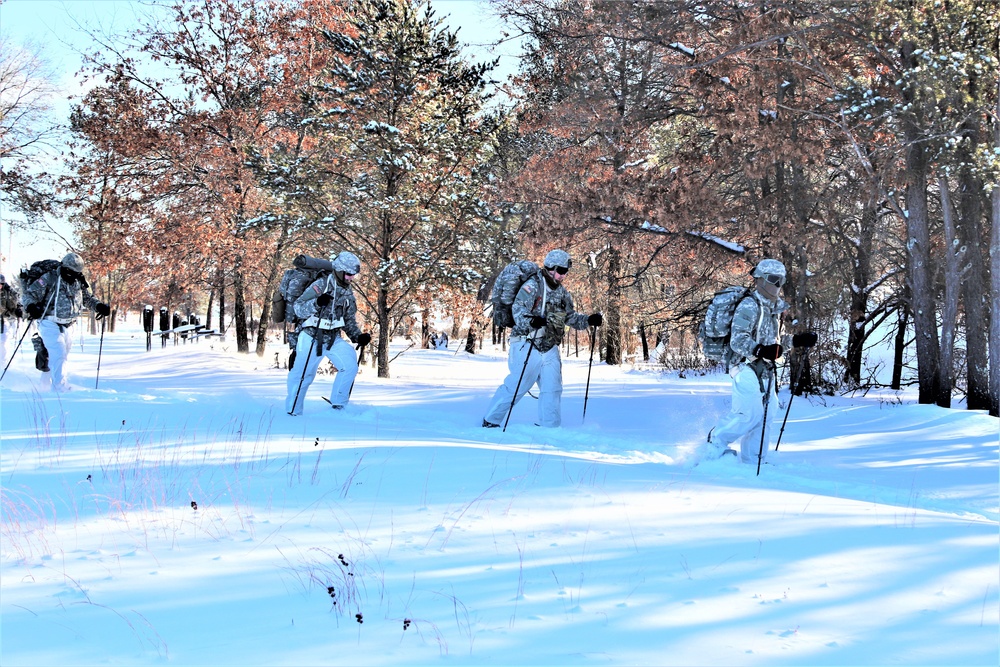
(513, 399)
(763, 423)
(788, 408)
(100, 349)
(586, 393)
(26, 328)
(305, 365)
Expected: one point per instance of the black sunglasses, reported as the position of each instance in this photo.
(561, 270)
(70, 274)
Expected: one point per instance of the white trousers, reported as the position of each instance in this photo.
(543, 369)
(303, 371)
(58, 344)
(745, 421)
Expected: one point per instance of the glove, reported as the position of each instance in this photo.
(595, 320)
(323, 300)
(34, 310)
(537, 322)
(18, 313)
(102, 310)
(804, 339)
(364, 339)
(771, 352)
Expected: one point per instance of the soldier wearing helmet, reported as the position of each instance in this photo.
(327, 308)
(754, 347)
(54, 301)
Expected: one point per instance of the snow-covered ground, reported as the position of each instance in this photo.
(177, 515)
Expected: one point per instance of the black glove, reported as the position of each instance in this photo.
(102, 310)
(364, 339)
(595, 320)
(18, 313)
(771, 352)
(537, 322)
(323, 300)
(804, 339)
(34, 310)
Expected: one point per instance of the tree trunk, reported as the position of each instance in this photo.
(425, 327)
(994, 310)
(273, 274)
(612, 321)
(221, 286)
(208, 312)
(899, 348)
(994, 306)
(974, 279)
(920, 270)
(239, 307)
(949, 306)
(384, 331)
(860, 280)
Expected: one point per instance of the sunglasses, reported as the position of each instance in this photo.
(777, 281)
(561, 270)
(70, 274)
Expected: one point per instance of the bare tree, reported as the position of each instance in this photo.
(26, 129)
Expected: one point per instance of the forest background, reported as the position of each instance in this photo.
(667, 145)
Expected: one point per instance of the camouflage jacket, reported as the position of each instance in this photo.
(325, 324)
(63, 301)
(8, 300)
(755, 322)
(554, 304)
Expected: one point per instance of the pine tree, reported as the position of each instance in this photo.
(405, 191)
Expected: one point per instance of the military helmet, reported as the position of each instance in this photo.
(556, 258)
(73, 261)
(770, 267)
(346, 262)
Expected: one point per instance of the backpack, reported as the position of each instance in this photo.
(294, 281)
(505, 288)
(714, 331)
(28, 276)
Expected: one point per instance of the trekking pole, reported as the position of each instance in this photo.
(586, 393)
(305, 365)
(763, 423)
(513, 399)
(100, 349)
(788, 408)
(26, 329)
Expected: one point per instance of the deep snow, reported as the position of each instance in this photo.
(872, 538)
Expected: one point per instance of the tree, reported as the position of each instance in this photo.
(402, 116)
(227, 71)
(26, 129)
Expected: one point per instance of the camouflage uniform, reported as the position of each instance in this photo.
(755, 322)
(536, 351)
(320, 329)
(62, 302)
(9, 309)
(9, 306)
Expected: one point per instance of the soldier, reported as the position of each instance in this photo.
(327, 307)
(9, 309)
(54, 301)
(754, 348)
(542, 310)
